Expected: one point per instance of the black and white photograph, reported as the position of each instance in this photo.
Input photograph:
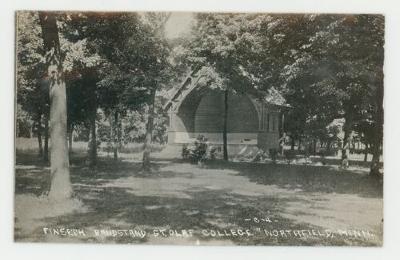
(199, 128)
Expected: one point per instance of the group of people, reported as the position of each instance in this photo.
(200, 151)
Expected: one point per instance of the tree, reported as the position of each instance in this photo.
(334, 70)
(82, 106)
(219, 44)
(358, 53)
(107, 72)
(158, 71)
(32, 93)
(133, 54)
(60, 188)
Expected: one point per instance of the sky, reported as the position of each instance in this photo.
(179, 23)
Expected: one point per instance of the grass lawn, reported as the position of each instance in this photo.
(221, 203)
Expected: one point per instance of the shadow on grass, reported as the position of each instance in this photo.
(115, 208)
(308, 178)
(305, 177)
(118, 208)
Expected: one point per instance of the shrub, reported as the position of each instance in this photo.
(196, 153)
(273, 154)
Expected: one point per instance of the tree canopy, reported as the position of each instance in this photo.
(329, 69)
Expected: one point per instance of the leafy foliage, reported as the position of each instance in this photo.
(327, 67)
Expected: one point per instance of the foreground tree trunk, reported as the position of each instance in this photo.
(60, 188)
(225, 130)
(149, 131)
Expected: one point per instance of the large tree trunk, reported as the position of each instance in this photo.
(149, 131)
(225, 130)
(60, 188)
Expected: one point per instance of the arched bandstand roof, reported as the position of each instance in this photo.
(191, 92)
